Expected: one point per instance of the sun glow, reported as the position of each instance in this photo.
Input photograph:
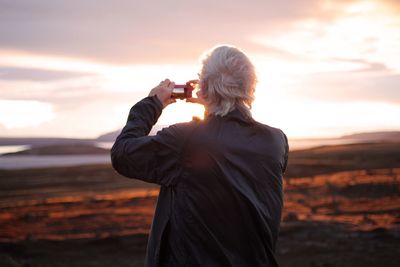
(365, 30)
(24, 113)
(145, 77)
(181, 112)
(361, 7)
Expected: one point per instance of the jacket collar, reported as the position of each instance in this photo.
(235, 114)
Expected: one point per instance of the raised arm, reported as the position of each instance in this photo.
(149, 158)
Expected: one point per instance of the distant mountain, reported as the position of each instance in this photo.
(374, 136)
(65, 149)
(110, 137)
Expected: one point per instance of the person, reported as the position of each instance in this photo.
(220, 178)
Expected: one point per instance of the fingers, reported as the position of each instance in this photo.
(167, 84)
(171, 85)
(191, 100)
(170, 101)
(192, 82)
(163, 90)
(195, 100)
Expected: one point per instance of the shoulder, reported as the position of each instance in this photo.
(269, 129)
(180, 130)
(275, 133)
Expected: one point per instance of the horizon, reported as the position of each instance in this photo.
(73, 70)
(291, 138)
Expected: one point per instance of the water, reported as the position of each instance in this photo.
(31, 161)
(12, 149)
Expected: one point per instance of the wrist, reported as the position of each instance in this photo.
(157, 100)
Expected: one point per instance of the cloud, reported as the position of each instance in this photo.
(31, 74)
(366, 30)
(86, 59)
(135, 31)
(127, 31)
(352, 86)
(67, 108)
(367, 66)
(64, 95)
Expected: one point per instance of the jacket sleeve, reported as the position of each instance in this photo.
(286, 155)
(153, 159)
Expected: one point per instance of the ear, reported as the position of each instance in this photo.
(203, 87)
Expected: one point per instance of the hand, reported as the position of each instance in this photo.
(163, 92)
(198, 100)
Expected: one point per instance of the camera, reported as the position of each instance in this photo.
(182, 91)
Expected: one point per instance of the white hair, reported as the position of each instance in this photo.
(227, 81)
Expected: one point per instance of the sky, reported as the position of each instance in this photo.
(74, 68)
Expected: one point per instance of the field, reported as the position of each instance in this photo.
(342, 208)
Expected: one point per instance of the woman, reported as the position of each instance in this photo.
(221, 192)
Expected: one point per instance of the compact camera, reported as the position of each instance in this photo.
(182, 91)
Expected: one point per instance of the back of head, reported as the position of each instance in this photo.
(227, 81)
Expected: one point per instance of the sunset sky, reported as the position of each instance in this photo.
(74, 68)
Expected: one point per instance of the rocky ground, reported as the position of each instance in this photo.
(339, 215)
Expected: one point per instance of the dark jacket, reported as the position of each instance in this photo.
(221, 191)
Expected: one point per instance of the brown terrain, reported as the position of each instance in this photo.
(342, 208)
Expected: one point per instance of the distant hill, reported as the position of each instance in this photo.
(64, 149)
(374, 136)
(335, 158)
(110, 137)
